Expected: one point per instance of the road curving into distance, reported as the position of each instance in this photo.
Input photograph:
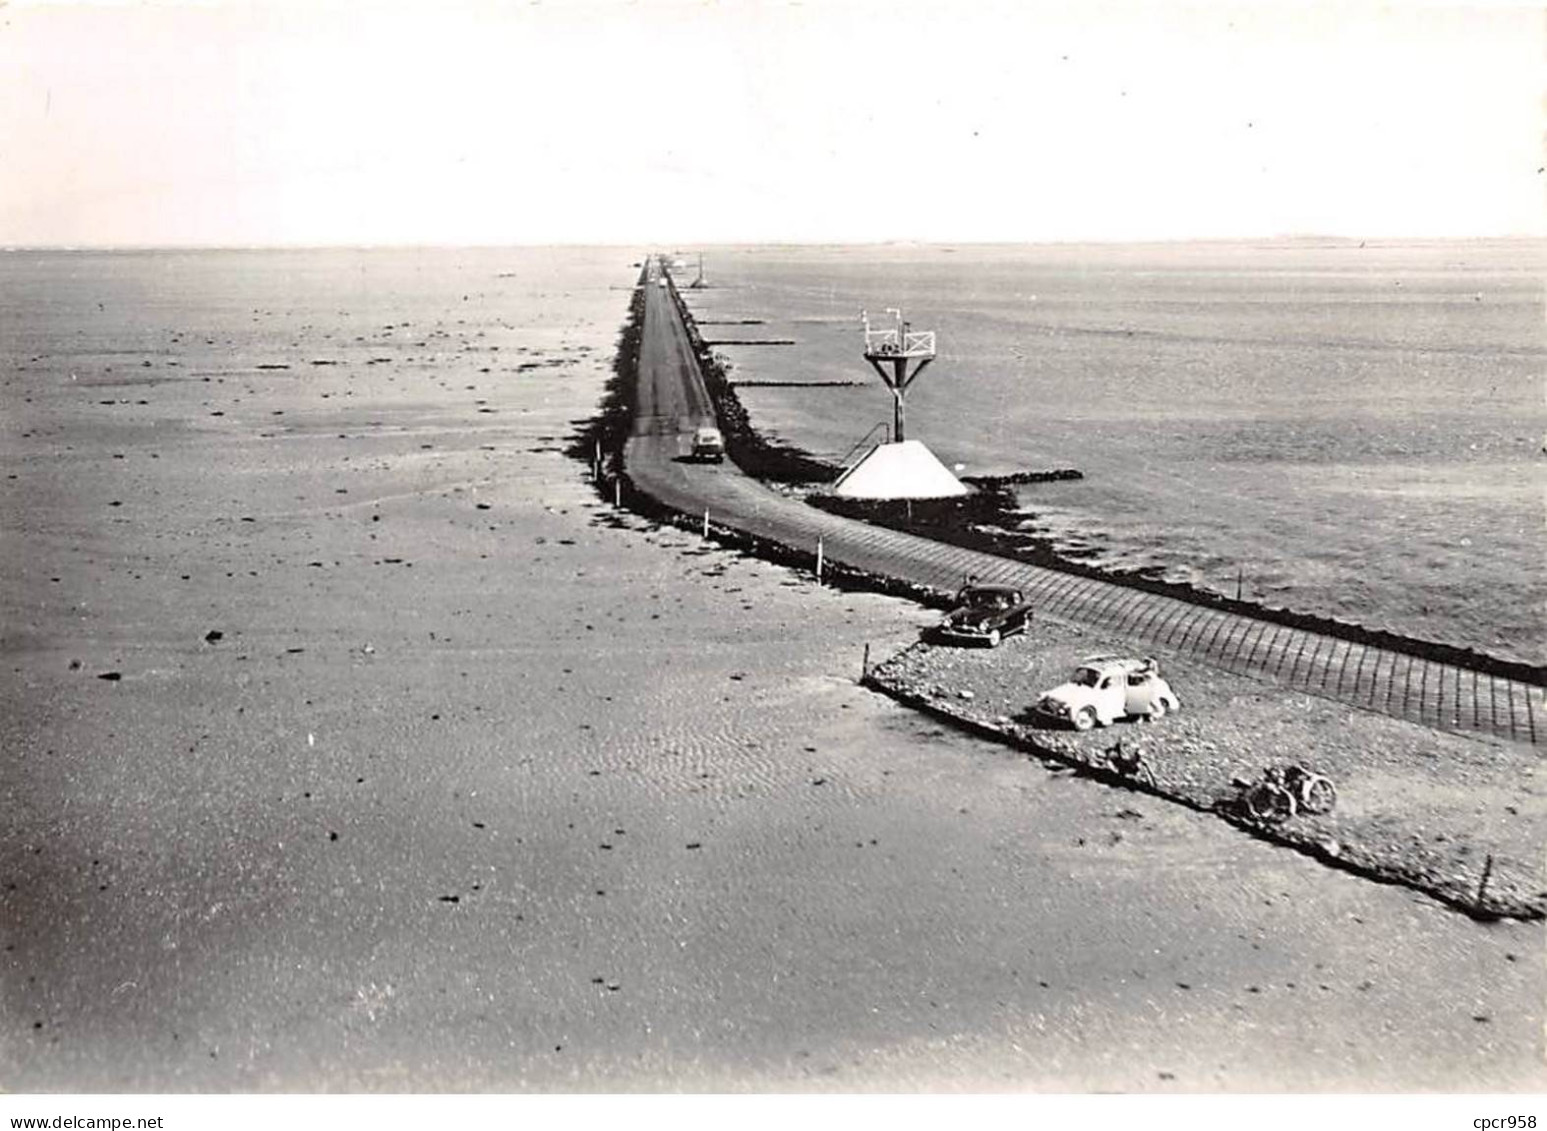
(672, 401)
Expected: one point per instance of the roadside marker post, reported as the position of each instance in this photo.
(1482, 888)
(617, 493)
(706, 522)
(819, 561)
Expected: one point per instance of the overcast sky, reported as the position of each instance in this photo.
(830, 120)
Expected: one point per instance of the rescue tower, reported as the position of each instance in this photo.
(902, 351)
(903, 468)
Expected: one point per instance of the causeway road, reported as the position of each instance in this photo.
(673, 400)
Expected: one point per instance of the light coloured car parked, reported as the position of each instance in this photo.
(708, 444)
(1104, 689)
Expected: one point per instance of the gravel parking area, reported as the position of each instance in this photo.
(1416, 806)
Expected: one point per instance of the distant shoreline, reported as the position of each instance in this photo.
(1352, 242)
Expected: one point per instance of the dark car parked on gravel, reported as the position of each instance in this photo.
(985, 614)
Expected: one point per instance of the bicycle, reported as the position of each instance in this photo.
(1116, 759)
(1285, 792)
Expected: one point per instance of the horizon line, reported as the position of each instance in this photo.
(415, 245)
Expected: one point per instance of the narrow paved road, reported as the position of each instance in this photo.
(673, 400)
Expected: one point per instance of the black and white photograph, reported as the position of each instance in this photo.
(758, 548)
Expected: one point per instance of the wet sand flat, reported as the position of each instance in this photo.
(482, 785)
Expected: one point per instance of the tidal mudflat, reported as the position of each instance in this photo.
(423, 768)
(1343, 429)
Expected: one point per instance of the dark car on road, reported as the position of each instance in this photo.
(984, 614)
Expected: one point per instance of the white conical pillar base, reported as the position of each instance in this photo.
(907, 470)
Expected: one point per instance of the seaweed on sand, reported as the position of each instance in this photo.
(600, 439)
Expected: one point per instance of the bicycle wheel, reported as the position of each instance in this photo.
(1318, 795)
(1269, 804)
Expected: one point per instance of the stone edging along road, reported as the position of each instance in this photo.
(672, 401)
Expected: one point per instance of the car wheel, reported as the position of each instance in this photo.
(1085, 719)
(994, 638)
(1157, 710)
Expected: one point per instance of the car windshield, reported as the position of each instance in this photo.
(986, 598)
(1087, 677)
